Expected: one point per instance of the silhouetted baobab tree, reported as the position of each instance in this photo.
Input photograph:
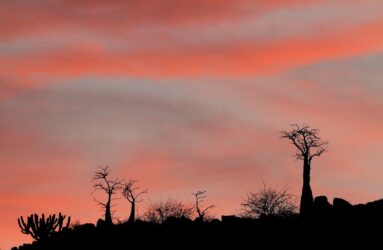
(309, 145)
(109, 186)
(269, 202)
(199, 198)
(132, 194)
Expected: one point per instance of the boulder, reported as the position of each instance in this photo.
(341, 204)
(229, 218)
(215, 222)
(177, 221)
(321, 202)
(375, 204)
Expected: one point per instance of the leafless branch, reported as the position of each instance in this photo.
(199, 198)
(132, 193)
(306, 140)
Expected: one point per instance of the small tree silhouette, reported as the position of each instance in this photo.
(102, 181)
(161, 211)
(42, 228)
(199, 198)
(132, 194)
(309, 145)
(269, 202)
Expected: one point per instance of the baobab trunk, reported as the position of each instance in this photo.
(132, 212)
(307, 199)
(108, 214)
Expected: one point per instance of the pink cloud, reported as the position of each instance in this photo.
(39, 17)
(230, 59)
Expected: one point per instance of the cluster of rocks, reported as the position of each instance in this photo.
(342, 210)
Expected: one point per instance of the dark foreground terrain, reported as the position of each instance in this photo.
(330, 226)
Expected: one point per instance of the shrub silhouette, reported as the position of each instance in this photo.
(160, 211)
(42, 228)
(269, 202)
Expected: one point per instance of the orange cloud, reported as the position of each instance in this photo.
(20, 19)
(242, 58)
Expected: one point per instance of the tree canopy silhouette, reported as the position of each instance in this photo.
(102, 181)
(308, 145)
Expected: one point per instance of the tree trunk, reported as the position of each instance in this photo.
(108, 214)
(132, 212)
(307, 199)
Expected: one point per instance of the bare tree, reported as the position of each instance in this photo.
(199, 198)
(132, 194)
(102, 181)
(159, 212)
(308, 145)
(269, 202)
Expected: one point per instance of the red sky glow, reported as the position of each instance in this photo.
(184, 95)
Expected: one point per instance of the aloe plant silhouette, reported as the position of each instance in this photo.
(41, 228)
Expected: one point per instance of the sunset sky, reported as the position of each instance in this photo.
(184, 95)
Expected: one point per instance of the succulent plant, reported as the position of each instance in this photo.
(42, 228)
